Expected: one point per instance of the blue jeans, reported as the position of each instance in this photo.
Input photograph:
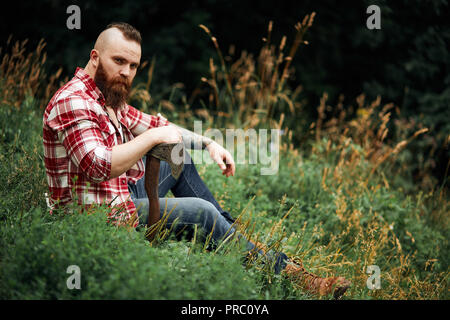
(193, 205)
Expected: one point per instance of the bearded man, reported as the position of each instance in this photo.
(94, 143)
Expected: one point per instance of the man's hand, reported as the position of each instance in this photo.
(167, 134)
(219, 154)
(222, 157)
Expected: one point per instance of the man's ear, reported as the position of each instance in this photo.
(94, 57)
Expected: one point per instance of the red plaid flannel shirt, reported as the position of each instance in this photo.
(78, 138)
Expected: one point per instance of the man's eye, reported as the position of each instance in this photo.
(118, 60)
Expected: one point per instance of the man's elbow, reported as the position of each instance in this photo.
(97, 166)
(115, 173)
(96, 177)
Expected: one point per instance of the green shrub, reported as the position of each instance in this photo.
(115, 263)
(22, 175)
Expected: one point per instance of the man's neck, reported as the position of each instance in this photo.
(89, 69)
(113, 116)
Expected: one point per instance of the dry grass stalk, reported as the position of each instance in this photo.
(255, 87)
(23, 75)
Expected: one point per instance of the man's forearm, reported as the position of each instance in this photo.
(193, 140)
(124, 156)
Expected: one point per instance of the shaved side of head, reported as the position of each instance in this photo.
(106, 38)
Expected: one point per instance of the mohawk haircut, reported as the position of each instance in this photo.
(128, 31)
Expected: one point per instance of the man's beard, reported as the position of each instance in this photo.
(115, 91)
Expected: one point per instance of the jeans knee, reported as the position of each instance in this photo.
(206, 209)
(207, 215)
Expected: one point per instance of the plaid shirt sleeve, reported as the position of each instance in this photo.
(139, 121)
(79, 129)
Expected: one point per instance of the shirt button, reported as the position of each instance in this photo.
(124, 181)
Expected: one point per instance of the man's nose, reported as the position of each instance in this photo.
(125, 71)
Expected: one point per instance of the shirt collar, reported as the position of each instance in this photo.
(93, 90)
(121, 115)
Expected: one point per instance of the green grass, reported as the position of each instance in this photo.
(337, 225)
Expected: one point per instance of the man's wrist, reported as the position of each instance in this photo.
(206, 142)
(154, 136)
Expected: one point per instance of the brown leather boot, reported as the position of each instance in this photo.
(315, 284)
(311, 282)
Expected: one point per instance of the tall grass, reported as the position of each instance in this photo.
(353, 174)
(252, 90)
(23, 74)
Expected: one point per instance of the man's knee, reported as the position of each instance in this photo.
(205, 208)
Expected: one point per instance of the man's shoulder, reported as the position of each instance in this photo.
(72, 89)
(73, 94)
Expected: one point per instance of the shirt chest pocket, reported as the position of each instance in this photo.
(109, 132)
